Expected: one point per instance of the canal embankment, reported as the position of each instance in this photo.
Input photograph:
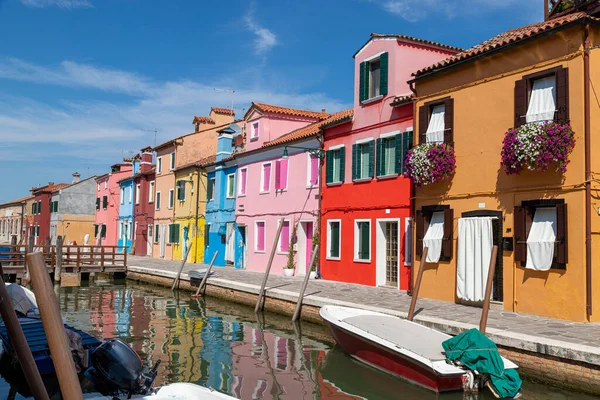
(556, 352)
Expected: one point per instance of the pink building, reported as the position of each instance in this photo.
(271, 186)
(107, 203)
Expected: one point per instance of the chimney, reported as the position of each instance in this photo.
(146, 164)
(546, 11)
(322, 110)
(76, 177)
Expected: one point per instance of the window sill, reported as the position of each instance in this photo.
(372, 100)
(254, 139)
(313, 187)
(241, 195)
(264, 192)
(230, 197)
(259, 251)
(362, 261)
(333, 258)
(283, 253)
(334, 184)
(362, 180)
(384, 177)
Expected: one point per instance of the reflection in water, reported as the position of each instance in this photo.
(227, 347)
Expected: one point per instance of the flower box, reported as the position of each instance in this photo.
(430, 163)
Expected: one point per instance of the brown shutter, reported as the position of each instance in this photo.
(562, 255)
(520, 102)
(520, 233)
(447, 241)
(449, 121)
(562, 95)
(423, 123)
(420, 232)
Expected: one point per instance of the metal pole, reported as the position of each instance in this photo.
(415, 294)
(19, 343)
(187, 252)
(306, 278)
(206, 275)
(488, 291)
(59, 253)
(264, 282)
(55, 330)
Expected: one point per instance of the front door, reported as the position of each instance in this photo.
(391, 254)
(149, 238)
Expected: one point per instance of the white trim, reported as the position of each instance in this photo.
(262, 177)
(279, 251)
(356, 221)
(380, 251)
(372, 99)
(121, 195)
(240, 194)
(410, 129)
(151, 189)
(336, 147)
(256, 235)
(130, 193)
(138, 193)
(374, 57)
(365, 140)
(172, 161)
(214, 186)
(308, 170)
(171, 199)
(252, 124)
(389, 135)
(227, 188)
(327, 253)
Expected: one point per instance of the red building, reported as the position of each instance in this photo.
(40, 211)
(143, 209)
(366, 201)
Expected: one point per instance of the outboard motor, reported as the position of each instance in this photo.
(116, 369)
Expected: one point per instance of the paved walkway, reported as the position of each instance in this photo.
(571, 340)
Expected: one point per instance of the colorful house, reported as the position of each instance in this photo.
(272, 186)
(108, 203)
(39, 226)
(12, 220)
(125, 227)
(221, 192)
(366, 205)
(531, 82)
(175, 153)
(72, 213)
(143, 208)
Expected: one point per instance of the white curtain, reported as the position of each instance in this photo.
(435, 130)
(230, 250)
(540, 242)
(433, 237)
(475, 242)
(542, 102)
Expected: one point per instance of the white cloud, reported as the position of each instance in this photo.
(265, 40)
(68, 4)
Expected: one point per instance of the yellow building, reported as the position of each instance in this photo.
(188, 228)
(470, 101)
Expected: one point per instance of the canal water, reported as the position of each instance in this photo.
(227, 347)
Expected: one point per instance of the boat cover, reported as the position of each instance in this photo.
(477, 352)
(22, 299)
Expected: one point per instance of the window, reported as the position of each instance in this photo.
(39, 207)
(104, 203)
(34, 208)
(543, 96)
(207, 235)
(435, 229)
(334, 243)
(54, 206)
(391, 153)
(281, 174)
(312, 174)
(374, 77)
(159, 165)
(103, 231)
(335, 160)
(362, 240)
(122, 195)
(151, 192)
(156, 237)
(138, 187)
(230, 186)
(129, 231)
(130, 191)
(408, 242)
(210, 190)
(98, 184)
(436, 121)
(158, 200)
(284, 238)
(97, 203)
(259, 236)
(120, 231)
(265, 178)
(106, 184)
(172, 163)
(254, 131)
(243, 181)
(541, 234)
(181, 190)
(363, 160)
(171, 199)
(37, 231)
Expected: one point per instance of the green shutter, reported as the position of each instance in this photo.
(380, 158)
(171, 230)
(342, 164)
(103, 231)
(335, 239)
(176, 233)
(371, 158)
(399, 167)
(355, 161)
(383, 74)
(362, 82)
(329, 166)
(364, 245)
(407, 145)
(33, 206)
(158, 200)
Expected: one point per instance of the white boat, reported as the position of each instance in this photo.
(174, 391)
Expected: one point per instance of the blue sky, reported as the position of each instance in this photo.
(81, 81)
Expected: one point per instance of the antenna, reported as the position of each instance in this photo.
(151, 130)
(228, 91)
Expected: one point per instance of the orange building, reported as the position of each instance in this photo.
(546, 224)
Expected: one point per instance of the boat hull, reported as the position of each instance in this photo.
(394, 363)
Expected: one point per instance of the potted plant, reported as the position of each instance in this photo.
(288, 270)
(313, 268)
(429, 163)
(535, 146)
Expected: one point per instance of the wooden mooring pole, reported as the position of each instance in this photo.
(415, 294)
(54, 328)
(488, 291)
(59, 253)
(19, 343)
(205, 278)
(187, 252)
(266, 277)
(305, 284)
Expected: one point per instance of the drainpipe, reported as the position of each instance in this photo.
(197, 208)
(321, 140)
(588, 175)
(411, 85)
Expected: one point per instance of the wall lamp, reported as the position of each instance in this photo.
(320, 154)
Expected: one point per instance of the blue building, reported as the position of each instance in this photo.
(125, 227)
(221, 191)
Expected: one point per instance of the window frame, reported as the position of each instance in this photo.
(357, 240)
(365, 78)
(379, 165)
(157, 201)
(180, 187)
(122, 194)
(138, 191)
(104, 203)
(172, 161)
(151, 191)
(159, 165)
(340, 179)
(421, 225)
(254, 127)
(232, 186)
(242, 182)
(213, 183)
(171, 199)
(328, 255)
(256, 222)
(369, 143)
(424, 118)
(262, 177)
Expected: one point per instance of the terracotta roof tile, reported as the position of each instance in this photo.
(203, 120)
(312, 129)
(22, 199)
(295, 112)
(504, 39)
(203, 162)
(221, 110)
(402, 100)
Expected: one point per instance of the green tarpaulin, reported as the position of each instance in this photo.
(477, 352)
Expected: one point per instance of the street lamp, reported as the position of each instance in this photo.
(319, 153)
